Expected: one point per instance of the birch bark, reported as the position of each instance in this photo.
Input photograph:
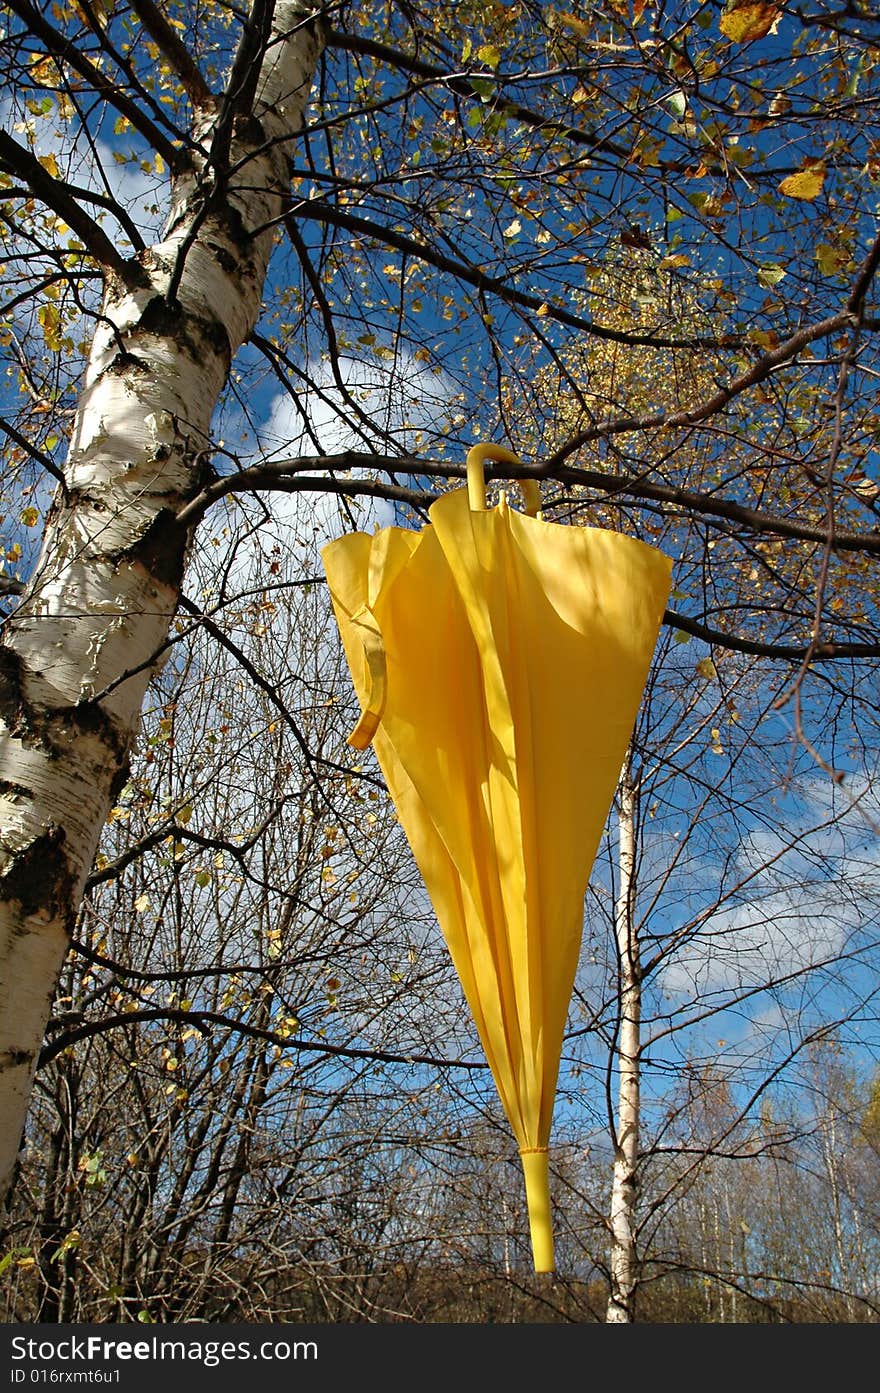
(621, 1299)
(75, 658)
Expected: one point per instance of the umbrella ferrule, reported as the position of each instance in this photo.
(536, 1172)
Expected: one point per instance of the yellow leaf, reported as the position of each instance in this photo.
(678, 259)
(43, 71)
(572, 22)
(488, 54)
(746, 22)
(806, 184)
(50, 164)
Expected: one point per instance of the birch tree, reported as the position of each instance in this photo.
(79, 648)
(622, 1220)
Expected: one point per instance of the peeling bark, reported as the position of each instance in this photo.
(108, 579)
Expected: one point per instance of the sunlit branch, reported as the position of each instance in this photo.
(667, 420)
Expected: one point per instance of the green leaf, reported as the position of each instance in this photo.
(484, 87)
(12, 1256)
(830, 259)
(489, 54)
(771, 273)
(681, 637)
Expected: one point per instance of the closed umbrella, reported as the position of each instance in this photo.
(499, 661)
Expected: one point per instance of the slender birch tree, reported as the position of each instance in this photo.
(622, 1220)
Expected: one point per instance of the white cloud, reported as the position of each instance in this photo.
(92, 165)
(808, 886)
(385, 403)
(387, 407)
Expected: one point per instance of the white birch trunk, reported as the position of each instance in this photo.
(622, 1222)
(108, 580)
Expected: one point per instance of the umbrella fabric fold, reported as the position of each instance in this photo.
(499, 661)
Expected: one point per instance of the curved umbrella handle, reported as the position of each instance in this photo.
(476, 479)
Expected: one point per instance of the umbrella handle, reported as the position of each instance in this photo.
(476, 478)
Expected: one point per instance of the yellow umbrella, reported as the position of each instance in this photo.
(499, 661)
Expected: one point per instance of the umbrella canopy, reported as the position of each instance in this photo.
(499, 661)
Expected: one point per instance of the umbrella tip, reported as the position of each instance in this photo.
(536, 1171)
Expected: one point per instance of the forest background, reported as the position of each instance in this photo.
(268, 271)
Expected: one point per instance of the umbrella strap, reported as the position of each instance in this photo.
(377, 685)
(476, 478)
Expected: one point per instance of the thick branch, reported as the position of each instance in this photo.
(867, 272)
(18, 160)
(175, 50)
(816, 651)
(202, 1020)
(40, 456)
(290, 476)
(66, 51)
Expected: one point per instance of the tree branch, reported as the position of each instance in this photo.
(289, 476)
(669, 420)
(66, 51)
(18, 160)
(176, 51)
(463, 85)
(318, 211)
(203, 1020)
(816, 651)
(39, 455)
